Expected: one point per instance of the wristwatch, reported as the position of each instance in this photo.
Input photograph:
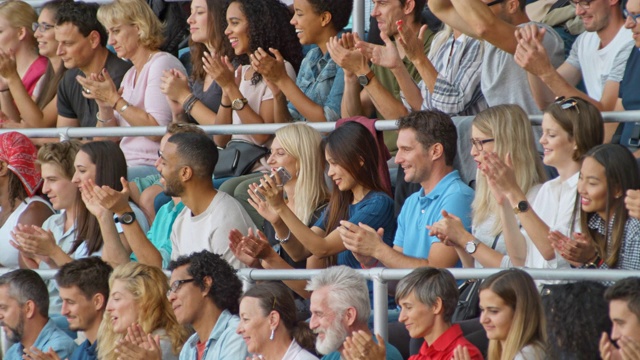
(238, 104)
(472, 246)
(365, 79)
(127, 218)
(523, 206)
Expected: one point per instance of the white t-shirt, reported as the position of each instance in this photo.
(210, 230)
(9, 255)
(600, 65)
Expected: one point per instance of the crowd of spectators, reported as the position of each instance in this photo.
(476, 184)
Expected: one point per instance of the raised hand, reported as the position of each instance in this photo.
(110, 199)
(271, 67)
(8, 66)
(360, 346)
(174, 85)
(450, 230)
(261, 206)
(33, 353)
(530, 53)
(386, 56)
(271, 190)
(99, 87)
(412, 44)
(32, 239)
(344, 53)
(577, 251)
(608, 351)
(236, 245)
(632, 203)
(361, 238)
(219, 68)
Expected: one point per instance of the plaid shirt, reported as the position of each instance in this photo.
(629, 257)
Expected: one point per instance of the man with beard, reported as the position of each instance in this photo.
(339, 307)
(598, 57)
(154, 247)
(84, 290)
(186, 166)
(24, 316)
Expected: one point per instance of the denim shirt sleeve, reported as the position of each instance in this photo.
(322, 81)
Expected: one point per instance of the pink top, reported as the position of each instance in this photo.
(34, 73)
(145, 94)
(255, 95)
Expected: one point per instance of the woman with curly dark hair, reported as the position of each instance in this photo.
(573, 330)
(317, 92)
(247, 98)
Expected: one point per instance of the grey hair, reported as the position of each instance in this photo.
(25, 285)
(428, 284)
(347, 289)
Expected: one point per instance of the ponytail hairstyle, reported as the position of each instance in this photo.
(275, 296)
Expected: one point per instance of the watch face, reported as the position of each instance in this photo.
(127, 218)
(363, 80)
(238, 104)
(470, 247)
(523, 206)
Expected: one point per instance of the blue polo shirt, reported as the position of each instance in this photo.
(50, 337)
(223, 342)
(86, 351)
(419, 210)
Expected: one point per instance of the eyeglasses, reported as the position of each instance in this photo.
(177, 285)
(480, 143)
(628, 15)
(41, 26)
(494, 2)
(585, 4)
(566, 104)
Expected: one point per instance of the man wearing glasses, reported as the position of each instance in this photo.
(496, 22)
(204, 295)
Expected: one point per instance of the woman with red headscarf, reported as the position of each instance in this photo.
(19, 181)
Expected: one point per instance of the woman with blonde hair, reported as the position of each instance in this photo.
(505, 130)
(296, 148)
(19, 45)
(135, 33)
(513, 317)
(138, 303)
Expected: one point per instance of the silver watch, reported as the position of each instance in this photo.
(471, 246)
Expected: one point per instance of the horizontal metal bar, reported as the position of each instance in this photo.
(397, 274)
(80, 132)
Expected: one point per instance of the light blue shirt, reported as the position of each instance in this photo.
(50, 337)
(160, 233)
(322, 81)
(392, 353)
(419, 210)
(223, 342)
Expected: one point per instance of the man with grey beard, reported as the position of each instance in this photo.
(339, 307)
(24, 316)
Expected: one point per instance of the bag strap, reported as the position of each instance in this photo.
(495, 241)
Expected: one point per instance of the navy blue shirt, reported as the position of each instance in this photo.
(630, 94)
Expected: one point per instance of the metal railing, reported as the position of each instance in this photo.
(380, 277)
(80, 132)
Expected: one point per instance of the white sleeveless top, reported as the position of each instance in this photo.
(8, 254)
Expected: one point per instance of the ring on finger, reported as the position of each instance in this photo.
(86, 91)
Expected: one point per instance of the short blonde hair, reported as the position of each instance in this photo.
(135, 12)
(19, 14)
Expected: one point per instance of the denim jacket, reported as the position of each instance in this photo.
(322, 81)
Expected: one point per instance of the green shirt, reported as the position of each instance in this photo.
(388, 80)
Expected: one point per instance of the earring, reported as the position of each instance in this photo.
(272, 334)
